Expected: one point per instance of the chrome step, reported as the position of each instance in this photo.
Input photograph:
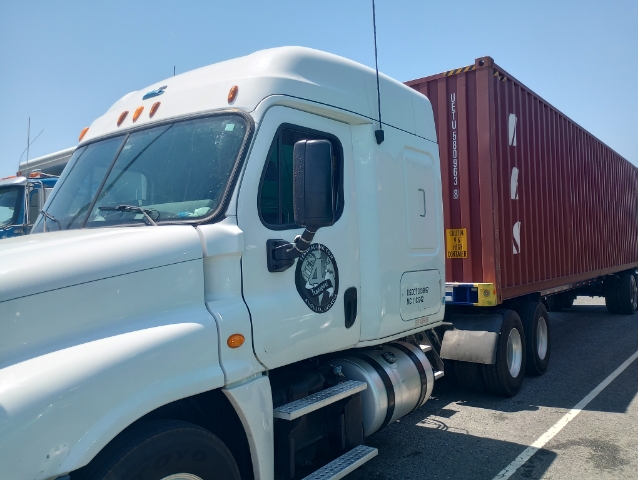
(438, 374)
(345, 464)
(313, 402)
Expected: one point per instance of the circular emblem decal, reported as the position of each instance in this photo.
(317, 278)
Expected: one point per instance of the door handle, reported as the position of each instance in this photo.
(350, 306)
(423, 191)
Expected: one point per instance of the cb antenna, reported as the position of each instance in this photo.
(378, 134)
(29, 143)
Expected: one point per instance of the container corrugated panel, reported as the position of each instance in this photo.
(544, 202)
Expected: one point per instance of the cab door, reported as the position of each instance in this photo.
(300, 312)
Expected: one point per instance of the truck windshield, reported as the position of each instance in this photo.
(9, 204)
(179, 171)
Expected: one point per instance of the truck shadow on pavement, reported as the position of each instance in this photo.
(427, 448)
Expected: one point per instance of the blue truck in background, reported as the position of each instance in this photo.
(23, 195)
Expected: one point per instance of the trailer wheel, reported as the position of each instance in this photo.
(535, 321)
(468, 376)
(505, 377)
(554, 303)
(611, 294)
(163, 450)
(567, 300)
(628, 293)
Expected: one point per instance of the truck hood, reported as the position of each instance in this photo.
(50, 261)
(97, 328)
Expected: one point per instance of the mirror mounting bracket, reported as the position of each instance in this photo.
(281, 254)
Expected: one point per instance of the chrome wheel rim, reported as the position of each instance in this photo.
(634, 292)
(514, 352)
(541, 338)
(182, 476)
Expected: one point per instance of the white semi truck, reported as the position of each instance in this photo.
(243, 280)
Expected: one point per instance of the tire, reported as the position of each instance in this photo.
(505, 377)
(554, 303)
(469, 376)
(160, 449)
(611, 294)
(538, 339)
(566, 301)
(628, 293)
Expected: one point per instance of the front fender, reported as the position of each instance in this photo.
(57, 411)
(79, 364)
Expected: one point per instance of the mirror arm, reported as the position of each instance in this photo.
(303, 241)
(291, 251)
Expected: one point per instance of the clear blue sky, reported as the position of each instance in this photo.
(64, 63)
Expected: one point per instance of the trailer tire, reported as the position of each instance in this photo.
(469, 376)
(567, 301)
(628, 293)
(535, 321)
(554, 303)
(505, 377)
(159, 449)
(611, 294)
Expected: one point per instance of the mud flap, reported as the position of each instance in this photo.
(474, 338)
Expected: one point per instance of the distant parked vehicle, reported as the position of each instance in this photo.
(22, 196)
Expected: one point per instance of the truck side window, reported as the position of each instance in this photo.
(275, 191)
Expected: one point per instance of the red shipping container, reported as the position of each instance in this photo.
(545, 204)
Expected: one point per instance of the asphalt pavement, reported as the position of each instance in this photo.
(464, 435)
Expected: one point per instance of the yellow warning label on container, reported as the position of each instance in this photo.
(456, 242)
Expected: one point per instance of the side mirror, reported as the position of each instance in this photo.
(313, 198)
(33, 203)
(313, 191)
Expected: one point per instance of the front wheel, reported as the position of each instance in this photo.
(163, 450)
(505, 377)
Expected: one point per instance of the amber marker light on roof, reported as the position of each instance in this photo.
(138, 112)
(122, 117)
(232, 94)
(82, 133)
(153, 109)
(236, 340)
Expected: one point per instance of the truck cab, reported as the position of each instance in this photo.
(23, 195)
(236, 263)
(21, 199)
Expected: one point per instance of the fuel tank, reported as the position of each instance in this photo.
(399, 377)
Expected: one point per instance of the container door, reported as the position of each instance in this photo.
(300, 312)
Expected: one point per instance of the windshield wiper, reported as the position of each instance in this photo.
(132, 208)
(49, 216)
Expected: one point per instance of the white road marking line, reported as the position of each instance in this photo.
(508, 471)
